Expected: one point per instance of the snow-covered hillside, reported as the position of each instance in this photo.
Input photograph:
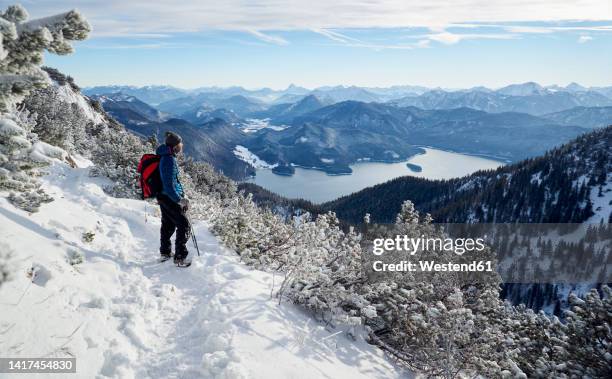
(123, 314)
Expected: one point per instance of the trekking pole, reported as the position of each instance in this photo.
(193, 238)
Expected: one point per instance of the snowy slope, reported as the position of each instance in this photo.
(124, 315)
(72, 97)
(247, 156)
(601, 204)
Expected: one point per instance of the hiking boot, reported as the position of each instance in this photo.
(182, 262)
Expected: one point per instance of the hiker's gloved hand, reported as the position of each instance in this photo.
(184, 203)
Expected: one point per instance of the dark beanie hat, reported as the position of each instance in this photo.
(173, 139)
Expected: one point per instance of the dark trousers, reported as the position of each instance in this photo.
(173, 219)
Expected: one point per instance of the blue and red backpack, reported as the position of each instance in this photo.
(150, 178)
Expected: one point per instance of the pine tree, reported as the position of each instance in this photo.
(325, 271)
(22, 46)
(20, 157)
(58, 122)
(588, 352)
(24, 43)
(116, 154)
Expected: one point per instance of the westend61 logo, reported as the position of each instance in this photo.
(413, 245)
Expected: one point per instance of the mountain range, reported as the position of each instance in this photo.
(129, 108)
(153, 95)
(431, 98)
(524, 99)
(319, 133)
(286, 112)
(239, 104)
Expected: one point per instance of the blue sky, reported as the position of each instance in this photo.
(443, 43)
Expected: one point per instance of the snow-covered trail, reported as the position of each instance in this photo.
(122, 314)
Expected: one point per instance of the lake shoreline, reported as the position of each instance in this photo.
(329, 172)
(498, 158)
(317, 186)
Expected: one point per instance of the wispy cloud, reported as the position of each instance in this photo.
(452, 38)
(335, 36)
(584, 39)
(276, 40)
(527, 29)
(553, 29)
(344, 40)
(445, 37)
(422, 40)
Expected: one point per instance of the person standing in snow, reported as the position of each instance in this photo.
(172, 202)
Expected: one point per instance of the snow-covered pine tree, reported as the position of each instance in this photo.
(116, 154)
(207, 180)
(252, 232)
(208, 190)
(22, 46)
(533, 343)
(324, 271)
(21, 154)
(588, 352)
(59, 122)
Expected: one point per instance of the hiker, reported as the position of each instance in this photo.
(172, 202)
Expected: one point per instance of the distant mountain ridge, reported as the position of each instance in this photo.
(152, 95)
(342, 93)
(126, 106)
(524, 89)
(287, 112)
(592, 117)
(239, 104)
(578, 95)
(206, 113)
(532, 100)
